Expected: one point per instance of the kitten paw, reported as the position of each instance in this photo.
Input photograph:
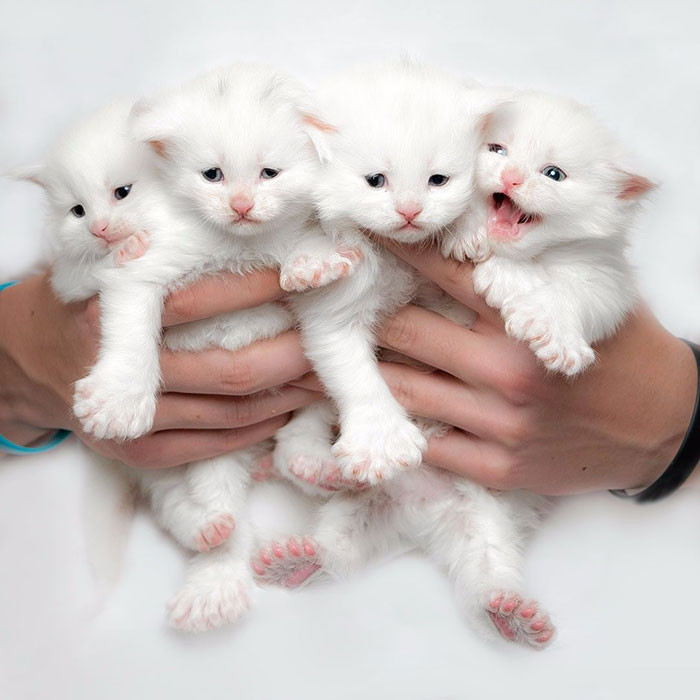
(110, 410)
(204, 605)
(324, 474)
(133, 247)
(375, 452)
(559, 352)
(290, 564)
(474, 248)
(215, 532)
(310, 273)
(518, 620)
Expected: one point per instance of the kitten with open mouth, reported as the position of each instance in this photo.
(549, 242)
(506, 219)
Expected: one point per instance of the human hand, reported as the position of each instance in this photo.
(618, 425)
(212, 402)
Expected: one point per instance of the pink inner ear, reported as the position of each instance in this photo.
(634, 186)
(318, 123)
(158, 147)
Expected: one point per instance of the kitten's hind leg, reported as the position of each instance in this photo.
(303, 451)
(218, 587)
(199, 504)
(352, 529)
(478, 536)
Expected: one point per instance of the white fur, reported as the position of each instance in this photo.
(406, 122)
(563, 282)
(240, 119)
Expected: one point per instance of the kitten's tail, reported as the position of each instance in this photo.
(109, 502)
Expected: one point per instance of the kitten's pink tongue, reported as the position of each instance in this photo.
(503, 222)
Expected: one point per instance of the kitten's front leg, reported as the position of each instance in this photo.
(467, 239)
(117, 400)
(551, 328)
(318, 260)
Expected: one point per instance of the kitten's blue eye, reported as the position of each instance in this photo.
(554, 173)
(377, 180)
(438, 180)
(497, 148)
(213, 174)
(269, 173)
(122, 192)
(78, 211)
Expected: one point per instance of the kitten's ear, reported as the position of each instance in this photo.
(30, 173)
(319, 131)
(148, 125)
(485, 104)
(632, 186)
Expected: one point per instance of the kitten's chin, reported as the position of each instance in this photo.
(405, 234)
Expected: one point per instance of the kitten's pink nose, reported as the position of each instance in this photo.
(241, 204)
(409, 211)
(511, 178)
(99, 227)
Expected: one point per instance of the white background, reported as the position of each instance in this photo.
(621, 581)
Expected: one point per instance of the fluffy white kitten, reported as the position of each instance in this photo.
(557, 204)
(401, 165)
(236, 167)
(105, 194)
(398, 162)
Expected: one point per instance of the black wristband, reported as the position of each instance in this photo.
(683, 463)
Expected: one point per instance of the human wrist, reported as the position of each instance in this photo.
(671, 391)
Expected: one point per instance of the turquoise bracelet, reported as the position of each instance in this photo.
(10, 447)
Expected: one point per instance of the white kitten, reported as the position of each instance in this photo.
(557, 205)
(401, 165)
(398, 163)
(237, 167)
(100, 181)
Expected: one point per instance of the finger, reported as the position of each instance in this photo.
(426, 336)
(309, 381)
(265, 364)
(188, 411)
(452, 276)
(220, 293)
(443, 398)
(170, 448)
(471, 458)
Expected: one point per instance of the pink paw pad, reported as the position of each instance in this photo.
(289, 564)
(518, 620)
(264, 470)
(132, 248)
(215, 532)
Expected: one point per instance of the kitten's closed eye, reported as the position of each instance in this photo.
(122, 192)
(438, 180)
(554, 173)
(376, 180)
(497, 148)
(78, 211)
(213, 174)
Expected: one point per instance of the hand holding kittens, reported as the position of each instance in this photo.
(517, 426)
(214, 406)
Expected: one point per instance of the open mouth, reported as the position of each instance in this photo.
(506, 219)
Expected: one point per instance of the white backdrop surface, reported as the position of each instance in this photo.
(620, 580)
